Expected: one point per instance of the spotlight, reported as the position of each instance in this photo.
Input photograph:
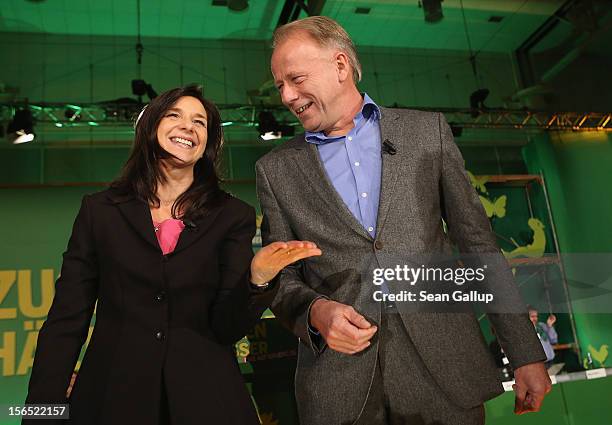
(237, 5)
(270, 129)
(151, 93)
(140, 88)
(21, 128)
(271, 135)
(456, 129)
(477, 99)
(432, 10)
(267, 122)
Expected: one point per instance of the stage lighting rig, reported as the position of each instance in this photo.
(21, 128)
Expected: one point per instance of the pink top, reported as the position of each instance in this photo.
(168, 232)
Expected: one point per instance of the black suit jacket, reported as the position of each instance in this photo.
(161, 320)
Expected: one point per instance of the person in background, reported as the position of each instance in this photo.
(165, 257)
(546, 333)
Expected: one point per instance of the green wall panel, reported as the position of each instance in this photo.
(20, 165)
(577, 169)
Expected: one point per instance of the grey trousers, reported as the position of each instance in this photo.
(403, 391)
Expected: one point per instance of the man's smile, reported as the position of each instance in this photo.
(301, 109)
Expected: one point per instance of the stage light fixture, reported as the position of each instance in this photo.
(456, 129)
(141, 87)
(237, 5)
(270, 129)
(432, 10)
(271, 135)
(477, 99)
(21, 128)
(268, 126)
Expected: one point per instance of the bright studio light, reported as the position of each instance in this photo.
(271, 135)
(22, 137)
(21, 128)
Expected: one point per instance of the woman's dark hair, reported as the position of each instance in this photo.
(141, 173)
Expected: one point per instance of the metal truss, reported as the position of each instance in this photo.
(529, 120)
(124, 113)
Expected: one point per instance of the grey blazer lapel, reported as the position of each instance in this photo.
(389, 132)
(308, 161)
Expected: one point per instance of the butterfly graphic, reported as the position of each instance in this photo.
(478, 182)
(496, 207)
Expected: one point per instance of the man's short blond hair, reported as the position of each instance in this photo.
(326, 32)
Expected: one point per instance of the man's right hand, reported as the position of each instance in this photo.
(343, 329)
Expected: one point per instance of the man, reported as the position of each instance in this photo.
(546, 332)
(364, 182)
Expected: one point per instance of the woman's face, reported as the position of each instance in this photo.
(183, 131)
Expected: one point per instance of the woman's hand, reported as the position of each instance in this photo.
(272, 258)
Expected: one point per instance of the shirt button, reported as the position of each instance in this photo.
(364, 195)
(378, 245)
(350, 138)
(160, 296)
(159, 335)
(370, 229)
(357, 164)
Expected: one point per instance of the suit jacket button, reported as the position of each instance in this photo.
(378, 245)
(160, 296)
(159, 335)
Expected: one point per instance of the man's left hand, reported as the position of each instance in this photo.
(532, 384)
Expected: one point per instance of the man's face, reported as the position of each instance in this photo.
(309, 81)
(533, 316)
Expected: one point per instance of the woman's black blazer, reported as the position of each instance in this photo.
(161, 320)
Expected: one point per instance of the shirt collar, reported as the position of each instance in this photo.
(369, 109)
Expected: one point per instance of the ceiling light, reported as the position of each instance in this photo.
(140, 88)
(266, 123)
(20, 136)
(270, 129)
(477, 99)
(456, 129)
(21, 128)
(271, 135)
(432, 10)
(237, 5)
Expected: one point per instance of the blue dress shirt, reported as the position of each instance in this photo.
(353, 163)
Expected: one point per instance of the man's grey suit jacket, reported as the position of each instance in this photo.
(423, 182)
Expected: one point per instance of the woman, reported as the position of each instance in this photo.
(166, 254)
